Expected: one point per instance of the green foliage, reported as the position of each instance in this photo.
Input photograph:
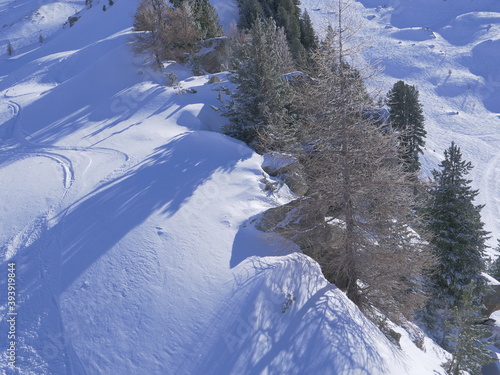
(467, 335)
(308, 37)
(250, 11)
(286, 13)
(259, 105)
(205, 18)
(458, 236)
(494, 269)
(408, 120)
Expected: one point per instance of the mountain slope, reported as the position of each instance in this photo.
(449, 50)
(129, 220)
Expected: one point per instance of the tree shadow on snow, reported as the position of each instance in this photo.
(284, 318)
(88, 229)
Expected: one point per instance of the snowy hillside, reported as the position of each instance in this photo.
(450, 50)
(129, 217)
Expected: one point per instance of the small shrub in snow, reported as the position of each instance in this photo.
(290, 298)
(171, 79)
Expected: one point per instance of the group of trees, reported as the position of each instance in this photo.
(170, 31)
(261, 102)
(363, 178)
(404, 247)
(287, 14)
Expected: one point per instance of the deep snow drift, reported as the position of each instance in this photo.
(129, 219)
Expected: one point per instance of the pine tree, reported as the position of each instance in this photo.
(250, 11)
(262, 96)
(407, 119)
(308, 36)
(495, 265)
(467, 338)
(286, 14)
(206, 19)
(458, 236)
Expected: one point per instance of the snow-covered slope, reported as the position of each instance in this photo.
(128, 219)
(450, 51)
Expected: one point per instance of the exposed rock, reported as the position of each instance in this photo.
(295, 180)
(303, 223)
(214, 79)
(288, 169)
(492, 300)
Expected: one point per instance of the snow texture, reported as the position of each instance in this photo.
(129, 216)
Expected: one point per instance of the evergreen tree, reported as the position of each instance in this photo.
(206, 20)
(467, 338)
(250, 11)
(287, 14)
(308, 37)
(260, 102)
(407, 119)
(458, 236)
(495, 266)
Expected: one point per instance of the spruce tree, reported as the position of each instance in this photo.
(249, 10)
(494, 270)
(458, 237)
(467, 338)
(287, 14)
(407, 119)
(308, 37)
(260, 102)
(206, 19)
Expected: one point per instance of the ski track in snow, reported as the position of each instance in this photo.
(97, 318)
(27, 149)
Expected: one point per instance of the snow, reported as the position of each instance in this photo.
(449, 51)
(131, 218)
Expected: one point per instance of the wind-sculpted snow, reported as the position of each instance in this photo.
(130, 219)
